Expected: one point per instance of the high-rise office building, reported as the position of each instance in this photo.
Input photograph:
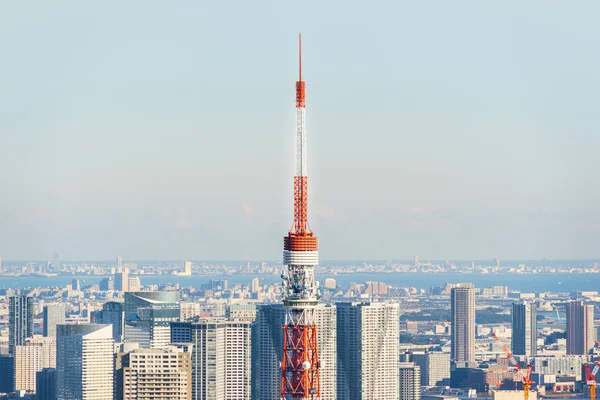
(37, 353)
(187, 268)
(84, 362)
(581, 334)
(148, 316)
(409, 381)
(119, 263)
(20, 317)
(255, 285)
(75, 284)
(54, 314)
(45, 384)
(122, 280)
(524, 329)
(113, 313)
(367, 349)
(434, 367)
(267, 339)
(56, 263)
(241, 312)
(462, 310)
(220, 357)
(154, 373)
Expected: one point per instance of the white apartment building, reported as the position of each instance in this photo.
(367, 349)
(220, 358)
(84, 362)
(37, 353)
(154, 373)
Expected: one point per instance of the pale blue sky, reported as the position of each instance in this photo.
(156, 129)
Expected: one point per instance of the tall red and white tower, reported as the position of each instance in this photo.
(300, 364)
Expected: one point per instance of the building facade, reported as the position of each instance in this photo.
(84, 362)
(154, 373)
(221, 358)
(581, 334)
(434, 367)
(409, 381)
(54, 314)
(524, 329)
(367, 351)
(45, 388)
(37, 353)
(148, 316)
(20, 317)
(462, 309)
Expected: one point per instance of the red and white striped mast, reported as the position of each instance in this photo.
(300, 364)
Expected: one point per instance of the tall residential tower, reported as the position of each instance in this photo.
(581, 334)
(300, 360)
(462, 307)
(524, 329)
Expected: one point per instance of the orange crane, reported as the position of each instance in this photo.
(523, 373)
(590, 379)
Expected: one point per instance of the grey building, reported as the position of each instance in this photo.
(409, 381)
(113, 313)
(581, 334)
(524, 329)
(267, 351)
(368, 350)
(54, 314)
(148, 316)
(45, 384)
(7, 373)
(462, 310)
(20, 318)
(434, 367)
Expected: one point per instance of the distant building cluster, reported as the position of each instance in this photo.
(219, 341)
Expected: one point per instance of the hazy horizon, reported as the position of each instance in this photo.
(164, 130)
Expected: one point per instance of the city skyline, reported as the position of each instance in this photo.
(460, 142)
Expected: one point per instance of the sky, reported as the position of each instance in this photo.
(164, 130)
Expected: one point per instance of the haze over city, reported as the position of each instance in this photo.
(164, 131)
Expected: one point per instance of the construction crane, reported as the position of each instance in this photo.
(590, 379)
(523, 373)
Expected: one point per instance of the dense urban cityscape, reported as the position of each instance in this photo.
(292, 326)
(107, 335)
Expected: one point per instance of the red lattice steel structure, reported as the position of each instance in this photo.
(300, 363)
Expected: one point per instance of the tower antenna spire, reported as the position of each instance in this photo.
(300, 54)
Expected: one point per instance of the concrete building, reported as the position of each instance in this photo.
(54, 314)
(409, 381)
(220, 358)
(107, 284)
(122, 280)
(84, 362)
(7, 373)
(434, 367)
(255, 285)
(37, 353)
(524, 329)
(512, 395)
(134, 284)
(187, 268)
(581, 334)
(148, 316)
(45, 381)
(367, 349)
(113, 313)
(119, 262)
(154, 373)
(267, 351)
(241, 312)
(20, 317)
(561, 365)
(462, 309)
